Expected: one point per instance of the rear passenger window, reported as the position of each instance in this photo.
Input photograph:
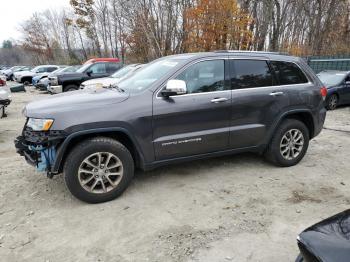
(250, 73)
(51, 69)
(288, 73)
(206, 76)
(113, 67)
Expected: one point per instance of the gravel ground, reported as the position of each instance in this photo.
(236, 208)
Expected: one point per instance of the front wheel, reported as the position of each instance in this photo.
(289, 143)
(98, 170)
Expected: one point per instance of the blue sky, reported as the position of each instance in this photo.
(14, 12)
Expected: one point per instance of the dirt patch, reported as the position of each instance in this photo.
(300, 196)
(197, 211)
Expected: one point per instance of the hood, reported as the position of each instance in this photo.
(28, 73)
(74, 101)
(105, 81)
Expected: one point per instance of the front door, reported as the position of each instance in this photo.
(196, 122)
(97, 70)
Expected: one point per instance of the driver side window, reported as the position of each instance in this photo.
(98, 69)
(206, 76)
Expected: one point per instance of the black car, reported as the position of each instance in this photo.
(338, 87)
(326, 241)
(71, 81)
(177, 108)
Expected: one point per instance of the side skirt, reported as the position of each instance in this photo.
(156, 164)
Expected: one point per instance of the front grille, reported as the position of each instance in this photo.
(42, 137)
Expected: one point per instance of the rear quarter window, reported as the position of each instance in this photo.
(288, 73)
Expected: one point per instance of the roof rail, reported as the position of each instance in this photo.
(245, 51)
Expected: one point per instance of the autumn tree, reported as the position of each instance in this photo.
(216, 25)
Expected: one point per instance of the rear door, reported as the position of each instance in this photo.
(257, 101)
(113, 67)
(196, 122)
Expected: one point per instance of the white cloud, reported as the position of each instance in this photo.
(14, 12)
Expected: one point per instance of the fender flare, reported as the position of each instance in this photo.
(283, 116)
(56, 167)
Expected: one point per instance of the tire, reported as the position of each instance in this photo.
(277, 151)
(26, 82)
(70, 88)
(332, 102)
(76, 161)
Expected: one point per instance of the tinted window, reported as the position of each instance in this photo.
(207, 76)
(41, 70)
(288, 73)
(113, 67)
(51, 69)
(250, 73)
(98, 68)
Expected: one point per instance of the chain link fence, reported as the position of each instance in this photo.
(320, 63)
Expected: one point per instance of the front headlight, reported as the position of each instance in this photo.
(53, 80)
(37, 124)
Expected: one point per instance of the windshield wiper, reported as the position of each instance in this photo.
(121, 90)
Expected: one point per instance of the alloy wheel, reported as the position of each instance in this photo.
(100, 172)
(292, 144)
(333, 101)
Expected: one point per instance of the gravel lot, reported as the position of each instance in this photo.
(236, 208)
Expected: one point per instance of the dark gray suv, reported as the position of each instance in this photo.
(177, 108)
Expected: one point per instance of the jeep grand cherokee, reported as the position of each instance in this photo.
(177, 108)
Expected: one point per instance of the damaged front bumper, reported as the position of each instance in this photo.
(39, 148)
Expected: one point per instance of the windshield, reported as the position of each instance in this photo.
(83, 68)
(331, 79)
(122, 72)
(35, 69)
(146, 76)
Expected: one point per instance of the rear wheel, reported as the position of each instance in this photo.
(70, 88)
(332, 102)
(98, 170)
(289, 143)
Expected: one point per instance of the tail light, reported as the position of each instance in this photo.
(2, 82)
(323, 92)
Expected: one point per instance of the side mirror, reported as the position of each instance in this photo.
(89, 72)
(174, 87)
(347, 83)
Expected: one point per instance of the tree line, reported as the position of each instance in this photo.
(142, 30)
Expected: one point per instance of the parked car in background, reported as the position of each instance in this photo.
(25, 77)
(44, 82)
(326, 241)
(5, 96)
(39, 76)
(113, 79)
(338, 87)
(177, 108)
(91, 70)
(9, 73)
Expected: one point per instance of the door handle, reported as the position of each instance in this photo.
(276, 93)
(219, 100)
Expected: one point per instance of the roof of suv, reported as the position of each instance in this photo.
(251, 54)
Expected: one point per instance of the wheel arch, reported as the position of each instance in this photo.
(305, 116)
(24, 78)
(119, 134)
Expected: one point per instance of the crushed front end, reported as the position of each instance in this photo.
(39, 148)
